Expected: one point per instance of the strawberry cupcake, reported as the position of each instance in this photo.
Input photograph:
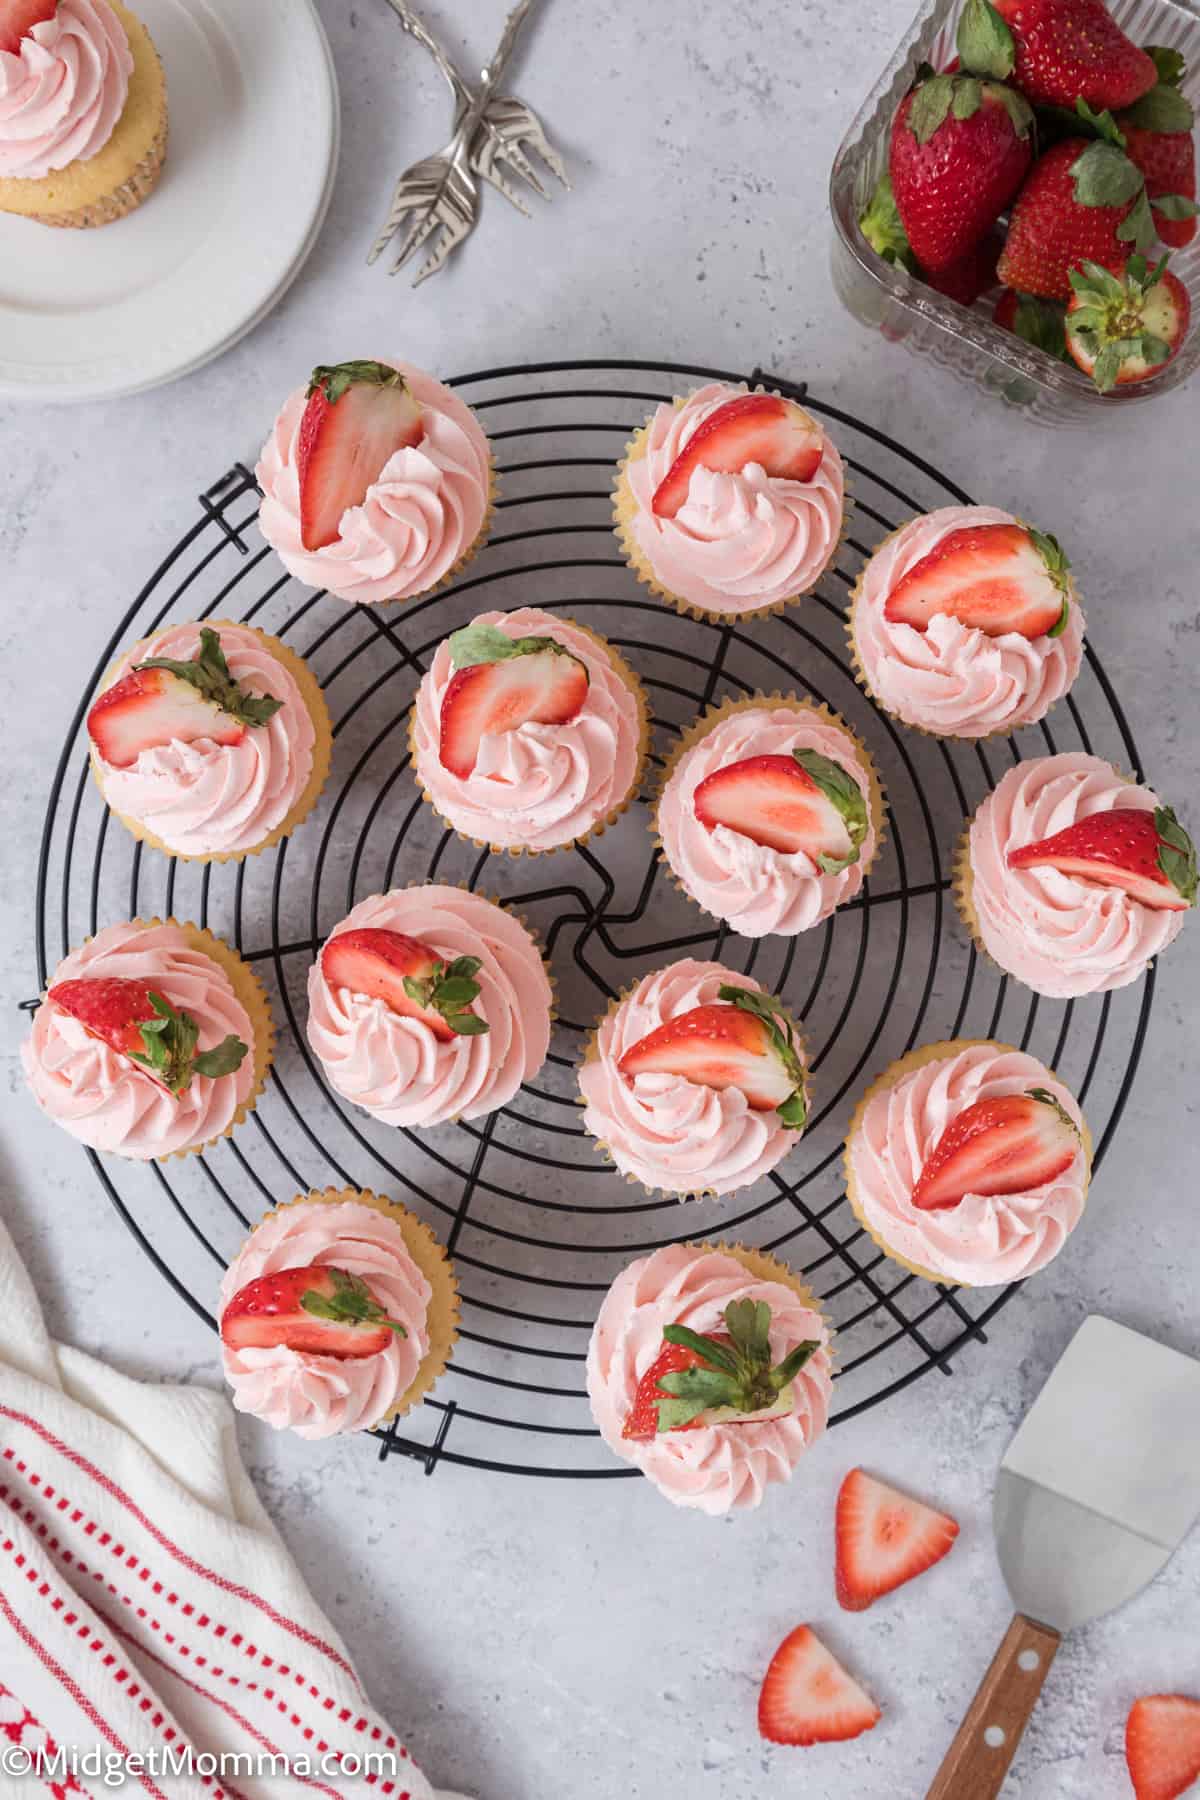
(770, 814)
(377, 482)
(968, 1163)
(1072, 877)
(153, 1039)
(965, 623)
(695, 1081)
(429, 1004)
(529, 732)
(83, 112)
(338, 1314)
(729, 504)
(210, 742)
(710, 1368)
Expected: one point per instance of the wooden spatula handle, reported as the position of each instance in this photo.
(978, 1759)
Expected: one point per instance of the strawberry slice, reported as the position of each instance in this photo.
(1126, 324)
(166, 701)
(500, 683)
(358, 414)
(1008, 1145)
(133, 1018)
(744, 1042)
(408, 977)
(755, 428)
(884, 1539)
(318, 1309)
(804, 801)
(699, 1380)
(18, 18)
(1162, 1746)
(1147, 854)
(808, 1698)
(994, 578)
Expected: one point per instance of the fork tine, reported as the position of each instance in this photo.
(416, 237)
(490, 172)
(411, 189)
(452, 235)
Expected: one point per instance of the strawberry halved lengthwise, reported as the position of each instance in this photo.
(356, 417)
(743, 1040)
(1148, 855)
(884, 1539)
(1126, 324)
(151, 708)
(808, 1698)
(133, 1017)
(1162, 1746)
(18, 18)
(1010, 1144)
(755, 428)
(993, 578)
(500, 683)
(412, 980)
(719, 1378)
(804, 801)
(317, 1310)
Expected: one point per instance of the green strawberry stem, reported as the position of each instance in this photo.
(208, 673)
(352, 1304)
(738, 1375)
(488, 644)
(334, 379)
(793, 1112)
(847, 797)
(450, 991)
(881, 225)
(171, 1056)
(1045, 1098)
(1176, 854)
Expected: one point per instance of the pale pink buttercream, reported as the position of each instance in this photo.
(105, 1100)
(1060, 934)
(320, 1396)
(714, 1468)
(753, 888)
(394, 1066)
(739, 542)
(953, 679)
(540, 786)
(985, 1240)
(205, 798)
(666, 1131)
(63, 91)
(421, 514)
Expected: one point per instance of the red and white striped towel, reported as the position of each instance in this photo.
(147, 1603)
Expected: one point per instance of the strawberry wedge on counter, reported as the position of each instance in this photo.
(1162, 1746)
(884, 1539)
(808, 1698)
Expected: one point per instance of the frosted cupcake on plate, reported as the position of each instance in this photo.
(1072, 877)
(966, 623)
(770, 814)
(710, 1368)
(153, 1039)
(529, 732)
(968, 1162)
(695, 1081)
(427, 1004)
(377, 482)
(83, 112)
(210, 742)
(729, 503)
(338, 1314)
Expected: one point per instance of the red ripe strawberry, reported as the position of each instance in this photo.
(960, 149)
(808, 1698)
(1008, 1145)
(1084, 201)
(18, 18)
(995, 578)
(1158, 137)
(804, 801)
(501, 682)
(133, 1018)
(724, 1378)
(1147, 854)
(884, 1539)
(318, 1309)
(1162, 1746)
(408, 977)
(755, 428)
(745, 1041)
(1069, 50)
(358, 414)
(972, 275)
(163, 701)
(1127, 324)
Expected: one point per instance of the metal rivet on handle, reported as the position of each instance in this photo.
(993, 1737)
(1028, 1660)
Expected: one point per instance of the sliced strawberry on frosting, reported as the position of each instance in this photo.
(132, 1017)
(1011, 1144)
(724, 1378)
(755, 428)
(1162, 1746)
(319, 1309)
(500, 683)
(884, 1539)
(166, 701)
(808, 1698)
(744, 1041)
(409, 977)
(804, 801)
(18, 18)
(1147, 854)
(356, 417)
(995, 578)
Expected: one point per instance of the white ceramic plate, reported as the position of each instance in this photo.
(252, 151)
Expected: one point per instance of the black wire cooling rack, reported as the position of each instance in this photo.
(537, 1222)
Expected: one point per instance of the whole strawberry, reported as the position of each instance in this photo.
(1084, 201)
(960, 149)
(1069, 50)
(1158, 138)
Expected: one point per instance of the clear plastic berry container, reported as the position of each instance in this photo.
(964, 339)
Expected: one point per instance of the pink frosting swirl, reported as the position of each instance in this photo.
(739, 542)
(420, 516)
(541, 786)
(105, 1100)
(954, 679)
(205, 798)
(320, 1396)
(63, 91)
(715, 1468)
(1060, 934)
(394, 1067)
(755, 889)
(670, 1133)
(985, 1240)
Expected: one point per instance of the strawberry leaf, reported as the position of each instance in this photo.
(984, 42)
(1104, 176)
(931, 104)
(450, 990)
(223, 1059)
(794, 1110)
(881, 225)
(738, 1375)
(170, 1040)
(846, 795)
(335, 379)
(1170, 64)
(480, 643)
(968, 97)
(1058, 568)
(1176, 854)
(1175, 206)
(712, 1352)
(209, 674)
(1102, 123)
(351, 1303)
(1015, 105)
(1041, 323)
(1138, 227)
(1163, 109)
